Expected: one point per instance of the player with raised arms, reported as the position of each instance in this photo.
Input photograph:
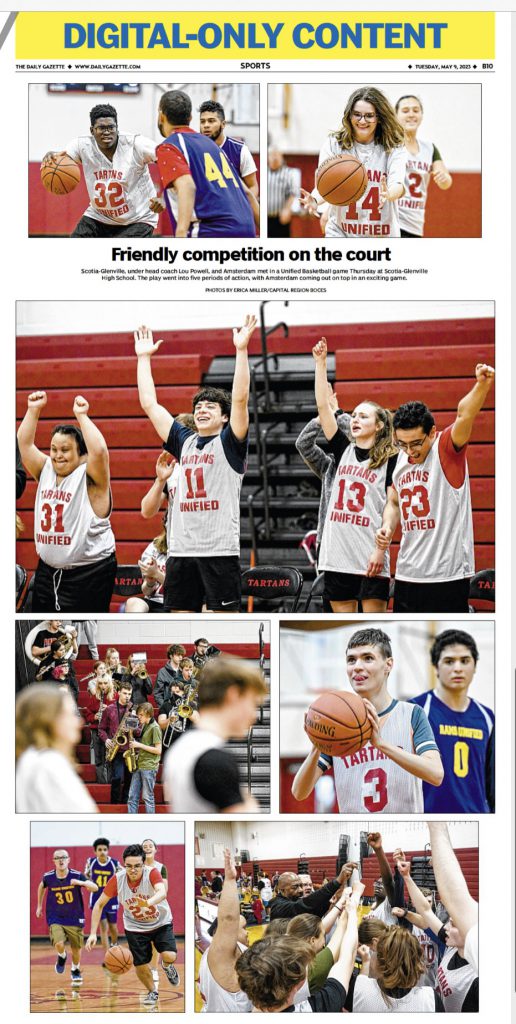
(431, 498)
(123, 199)
(370, 131)
(424, 162)
(360, 488)
(72, 532)
(463, 729)
(386, 775)
(204, 195)
(147, 918)
(203, 563)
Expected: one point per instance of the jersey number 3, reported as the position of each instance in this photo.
(377, 798)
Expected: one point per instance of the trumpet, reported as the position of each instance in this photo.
(122, 736)
(140, 670)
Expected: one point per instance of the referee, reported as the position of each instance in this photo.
(281, 192)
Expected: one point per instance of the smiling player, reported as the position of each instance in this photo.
(424, 161)
(203, 561)
(123, 200)
(388, 772)
(463, 729)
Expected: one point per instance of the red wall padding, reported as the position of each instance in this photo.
(41, 861)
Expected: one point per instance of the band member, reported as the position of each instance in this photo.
(148, 753)
(108, 729)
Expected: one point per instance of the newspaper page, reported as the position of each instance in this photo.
(256, 290)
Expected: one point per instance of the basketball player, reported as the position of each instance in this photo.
(371, 132)
(218, 982)
(386, 775)
(203, 561)
(212, 121)
(453, 889)
(424, 161)
(204, 197)
(457, 979)
(201, 776)
(147, 918)
(123, 200)
(100, 869)
(431, 497)
(73, 535)
(463, 729)
(64, 911)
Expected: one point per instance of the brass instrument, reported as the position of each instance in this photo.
(124, 733)
(183, 710)
(141, 670)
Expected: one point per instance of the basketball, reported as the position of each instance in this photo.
(118, 960)
(341, 180)
(60, 175)
(337, 723)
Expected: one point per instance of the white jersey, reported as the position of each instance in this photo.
(368, 998)
(354, 514)
(430, 953)
(67, 532)
(454, 985)
(206, 510)
(370, 781)
(217, 999)
(119, 189)
(436, 518)
(383, 912)
(364, 217)
(179, 769)
(170, 487)
(411, 206)
(137, 918)
(46, 783)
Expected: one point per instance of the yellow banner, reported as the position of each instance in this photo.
(205, 35)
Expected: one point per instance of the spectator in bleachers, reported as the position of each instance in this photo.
(168, 674)
(87, 634)
(114, 665)
(153, 563)
(118, 772)
(48, 729)
(148, 754)
(53, 630)
(101, 693)
(217, 882)
(139, 680)
(178, 693)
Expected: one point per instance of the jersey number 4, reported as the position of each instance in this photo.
(213, 173)
(371, 203)
(52, 518)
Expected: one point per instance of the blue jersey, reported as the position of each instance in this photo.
(64, 903)
(234, 149)
(466, 744)
(100, 874)
(221, 208)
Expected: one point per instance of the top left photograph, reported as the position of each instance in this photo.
(138, 161)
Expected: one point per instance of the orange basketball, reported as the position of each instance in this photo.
(341, 180)
(337, 723)
(118, 960)
(60, 174)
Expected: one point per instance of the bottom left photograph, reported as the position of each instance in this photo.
(107, 917)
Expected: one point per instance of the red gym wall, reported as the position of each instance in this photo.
(173, 857)
(456, 213)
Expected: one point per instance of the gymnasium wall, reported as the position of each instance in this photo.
(147, 630)
(41, 861)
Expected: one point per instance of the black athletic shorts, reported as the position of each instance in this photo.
(409, 234)
(87, 588)
(141, 943)
(451, 596)
(88, 227)
(346, 586)
(191, 582)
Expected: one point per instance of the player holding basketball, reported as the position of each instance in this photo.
(361, 485)
(423, 162)
(204, 196)
(370, 131)
(203, 561)
(100, 869)
(463, 729)
(431, 497)
(147, 918)
(388, 772)
(123, 200)
(72, 532)
(64, 911)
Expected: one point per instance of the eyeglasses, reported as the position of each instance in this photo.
(363, 117)
(412, 446)
(61, 858)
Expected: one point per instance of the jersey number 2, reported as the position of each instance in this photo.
(109, 195)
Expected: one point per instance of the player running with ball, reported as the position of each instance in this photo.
(203, 563)
(387, 774)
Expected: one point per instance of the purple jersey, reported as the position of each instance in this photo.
(100, 874)
(64, 901)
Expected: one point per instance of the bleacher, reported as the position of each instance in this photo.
(253, 758)
(389, 363)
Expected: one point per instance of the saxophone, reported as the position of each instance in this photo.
(122, 737)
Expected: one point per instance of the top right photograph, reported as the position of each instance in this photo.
(381, 161)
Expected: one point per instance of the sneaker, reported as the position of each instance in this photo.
(60, 964)
(150, 999)
(171, 973)
(155, 978)
(76, 976)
